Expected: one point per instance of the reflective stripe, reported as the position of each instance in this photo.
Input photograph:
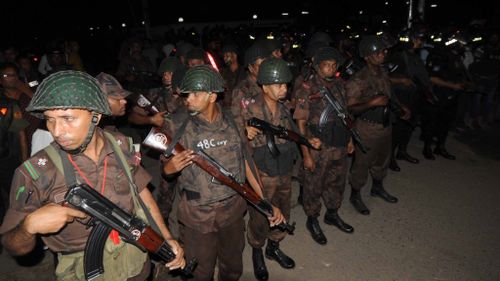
(33, 173)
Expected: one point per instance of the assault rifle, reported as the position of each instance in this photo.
(271, 130)
(343, 115)
(105, 216)
(141, 101)
(160, 141)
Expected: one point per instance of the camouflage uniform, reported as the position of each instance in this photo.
(374, 130)
(244, 94)
(329, 177)
(164, 99)
(232, 79)
(209, 211)
(277, 188)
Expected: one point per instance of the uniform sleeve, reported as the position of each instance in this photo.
(302, 102)
(353, 90)
(24, 198)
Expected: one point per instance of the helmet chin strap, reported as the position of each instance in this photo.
(90, 133)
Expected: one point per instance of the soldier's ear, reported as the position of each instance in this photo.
(212, 97)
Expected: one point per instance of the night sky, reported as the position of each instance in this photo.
(49, 18)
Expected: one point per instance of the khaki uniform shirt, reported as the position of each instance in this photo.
(38, 182)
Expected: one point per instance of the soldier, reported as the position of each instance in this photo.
(448, 76)
(72, 104)
(245, 92)
(275, 171)
(368, 94)
(209, 212)
(167, 102)
(233, 73)
(163, 98)
(195, 56)
(407, 80)
(13, 144)
(325, 170)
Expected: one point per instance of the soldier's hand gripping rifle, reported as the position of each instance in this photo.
(343, 115)
(271, 130)
(105, 216)
(141, 101)
(160, 141)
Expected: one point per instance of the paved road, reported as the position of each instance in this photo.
(445, 226)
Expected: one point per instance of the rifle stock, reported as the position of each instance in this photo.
(160, 141)
(105, 216)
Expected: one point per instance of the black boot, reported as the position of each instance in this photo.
(358, 203)
(379, 190)
(312, 225)
(440, 150)
(403, 155)
(259, 265)
(427, 152)
(393, 165)
(274, 252)
(332, 217)
(301, 192)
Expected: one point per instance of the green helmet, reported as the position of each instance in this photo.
(274, 71)
(202, 78)
(328, 53)
(321, 36)
(69, 89)
(255, 52)
(371, 44)
(168, 64)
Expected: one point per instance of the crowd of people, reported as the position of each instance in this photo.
(354, 104)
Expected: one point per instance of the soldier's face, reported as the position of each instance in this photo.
(198, 102)
(117, 106)
(69, 127)
(377, 58)
(166, 79)
(327, 68)
(275, 92)
(195, 62)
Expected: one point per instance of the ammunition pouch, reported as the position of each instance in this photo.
(121, 261)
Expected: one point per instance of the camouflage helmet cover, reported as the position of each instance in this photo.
(69, 89)
(371, 44)
(202, 78)
(328, 53)
(274, 71)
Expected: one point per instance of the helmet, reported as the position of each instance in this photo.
(183, 48)
(328, 53)
(313, 47)
(371, 44)
(195, 53)
(321, 36)
(168, 64)
(202, 78)
(69, 89)
(274, 71)
(255, 52)
(388, 39)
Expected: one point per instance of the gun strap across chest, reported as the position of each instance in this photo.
(61, 161)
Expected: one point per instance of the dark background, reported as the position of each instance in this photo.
(51, 18)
